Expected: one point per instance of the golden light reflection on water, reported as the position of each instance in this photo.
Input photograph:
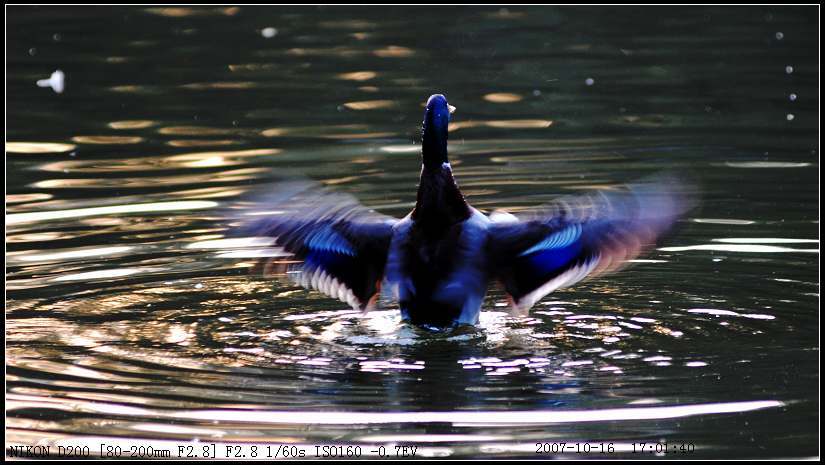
(73, 254)
(132, 124)
(520, 124)
(224, 176)
(134, 89)
(344, 180)
(358, 76)
(370, 104)
(274, 132)
(394, 51)
(231, 243)
(181, 12)
(366, 135)
(107, 140)
(201, 142)
(338, 131)
(208, 159)
(401, 148)
(32, 217)
(251, 67)
(196, 131)
(325, 51)
(25, 198)
(208, 193)
(503, 97)
(108, 274)
(196, 159)
(502, 124)
(36, 237)
(38, 147)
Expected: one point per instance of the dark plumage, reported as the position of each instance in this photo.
(438, 261)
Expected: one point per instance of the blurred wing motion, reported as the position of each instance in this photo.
(563, 242)
(340, 246)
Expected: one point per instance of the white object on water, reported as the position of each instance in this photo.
(790, 117)
(792, 97)
(56, 81)
(589, 81)
(788, 69)
(269, 32)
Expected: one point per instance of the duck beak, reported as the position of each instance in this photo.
(451, 108)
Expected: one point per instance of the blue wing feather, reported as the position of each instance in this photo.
(574, 237)
(563, 239)
(342, 245)
(326, 239)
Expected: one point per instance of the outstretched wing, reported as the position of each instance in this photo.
(339, 247)
(563, 242)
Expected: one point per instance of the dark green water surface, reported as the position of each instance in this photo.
(127, 320)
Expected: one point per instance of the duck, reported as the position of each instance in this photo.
(439, 260)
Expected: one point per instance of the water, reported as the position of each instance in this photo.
(126, 324)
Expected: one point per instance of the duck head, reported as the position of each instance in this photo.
(439, 203)
(434, 131)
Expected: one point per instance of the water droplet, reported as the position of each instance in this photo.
(790, 117)
(788, 69)
(56, 37)
(536, 93)
(589, 81)
(792, 97)
(780, 36)
(269, 32)
(32, 51)
(57, 81)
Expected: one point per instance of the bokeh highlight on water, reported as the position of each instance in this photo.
(130, 315)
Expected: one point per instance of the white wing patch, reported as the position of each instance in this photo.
(318, 279)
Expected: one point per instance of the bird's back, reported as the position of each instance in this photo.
(439, 273)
